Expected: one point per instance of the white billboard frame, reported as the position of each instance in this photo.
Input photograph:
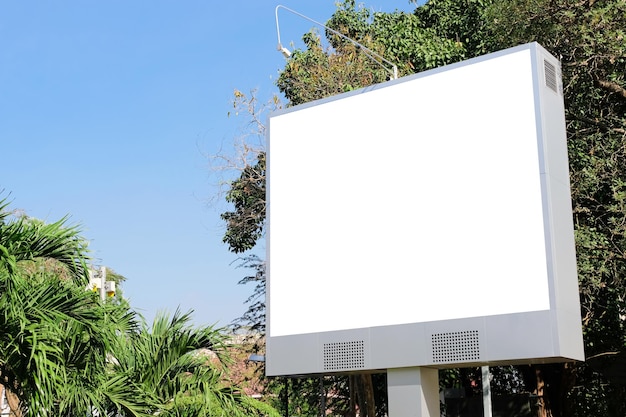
(424, 221)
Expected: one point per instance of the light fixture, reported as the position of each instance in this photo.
(370, 54)
(286, 52)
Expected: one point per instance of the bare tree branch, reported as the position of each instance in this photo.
(612, 87)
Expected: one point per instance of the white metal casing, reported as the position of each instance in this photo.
(425, 221)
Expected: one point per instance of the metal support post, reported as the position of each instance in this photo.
(487, 411)
(413, 392)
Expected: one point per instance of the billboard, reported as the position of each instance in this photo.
(424, 222)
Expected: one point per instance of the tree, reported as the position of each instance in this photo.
(319, 72)
(64, 352)
(54, 332)
(463, 21)
(246, 192)
(182, 369)
(245, 225)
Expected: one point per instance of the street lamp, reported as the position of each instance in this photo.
(370, 54)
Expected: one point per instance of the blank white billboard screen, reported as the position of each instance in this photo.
(416, 202)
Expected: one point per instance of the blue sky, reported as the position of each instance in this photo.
(107, 110)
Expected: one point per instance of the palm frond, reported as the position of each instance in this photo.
(4, 204)
(28, 239)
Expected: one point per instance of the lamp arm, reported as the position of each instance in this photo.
(280, 45)
(371, 54)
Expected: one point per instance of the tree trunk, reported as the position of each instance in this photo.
(368, 393)
(360, 396)
(568, 381)
(543, 404)
(13, 401)
(362, 401)
(352, 392)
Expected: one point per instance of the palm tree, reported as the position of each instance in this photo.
(63, 352)
(55, 336)
(26, 246)
(183, 369)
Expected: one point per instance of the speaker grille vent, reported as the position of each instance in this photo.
(459, 346)
(550, 76)
(344, 355)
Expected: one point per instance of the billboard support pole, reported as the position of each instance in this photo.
(487, 410)
(413, 392)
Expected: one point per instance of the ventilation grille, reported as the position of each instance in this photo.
(456, 346)
(344, 355)
(550, 76)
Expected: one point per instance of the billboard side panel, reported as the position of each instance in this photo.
(559, 227)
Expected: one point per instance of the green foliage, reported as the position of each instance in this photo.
(461, 21)
(63, 352)
(180, 367)
(244, 225)
(253, 320)
(27, 239)
(316, 73)
(411, 40)
(406, 40)
(307, 396)
(188, 406)
(55, 335)
(438, 33)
